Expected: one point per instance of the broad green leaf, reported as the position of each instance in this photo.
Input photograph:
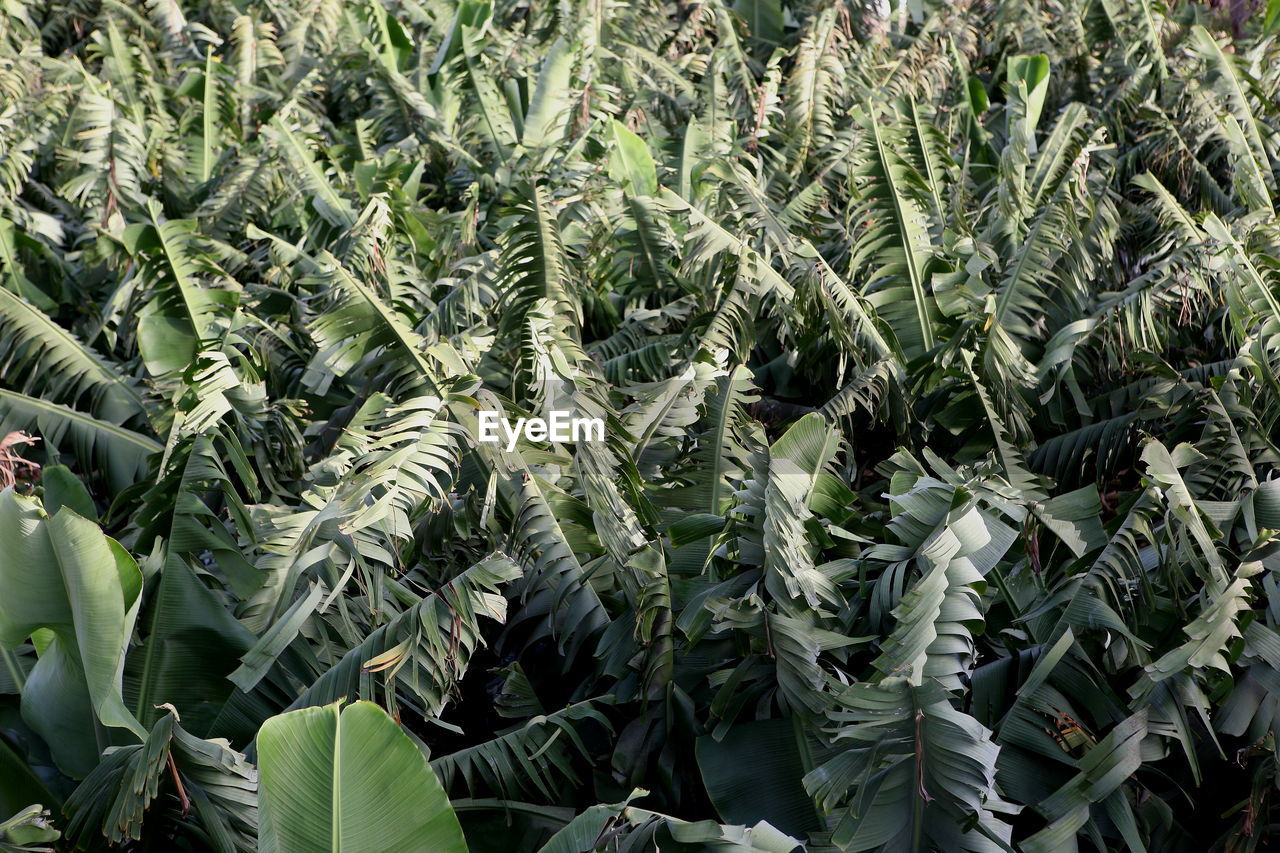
(122, 455)
(1032, 74)
(632, 165)
(349, 781)
(64, 576)
(763, 17)
(548, 105)
(192, 643)
(753, 773)
(63, 488)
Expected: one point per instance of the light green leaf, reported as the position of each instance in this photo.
(349, 782)
(65, 576)
(545, 121)
(631, 164)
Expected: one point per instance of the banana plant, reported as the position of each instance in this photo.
(934, 351)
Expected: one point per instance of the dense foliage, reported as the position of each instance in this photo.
(938, 349)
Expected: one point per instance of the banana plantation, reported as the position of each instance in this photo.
(928, 359)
